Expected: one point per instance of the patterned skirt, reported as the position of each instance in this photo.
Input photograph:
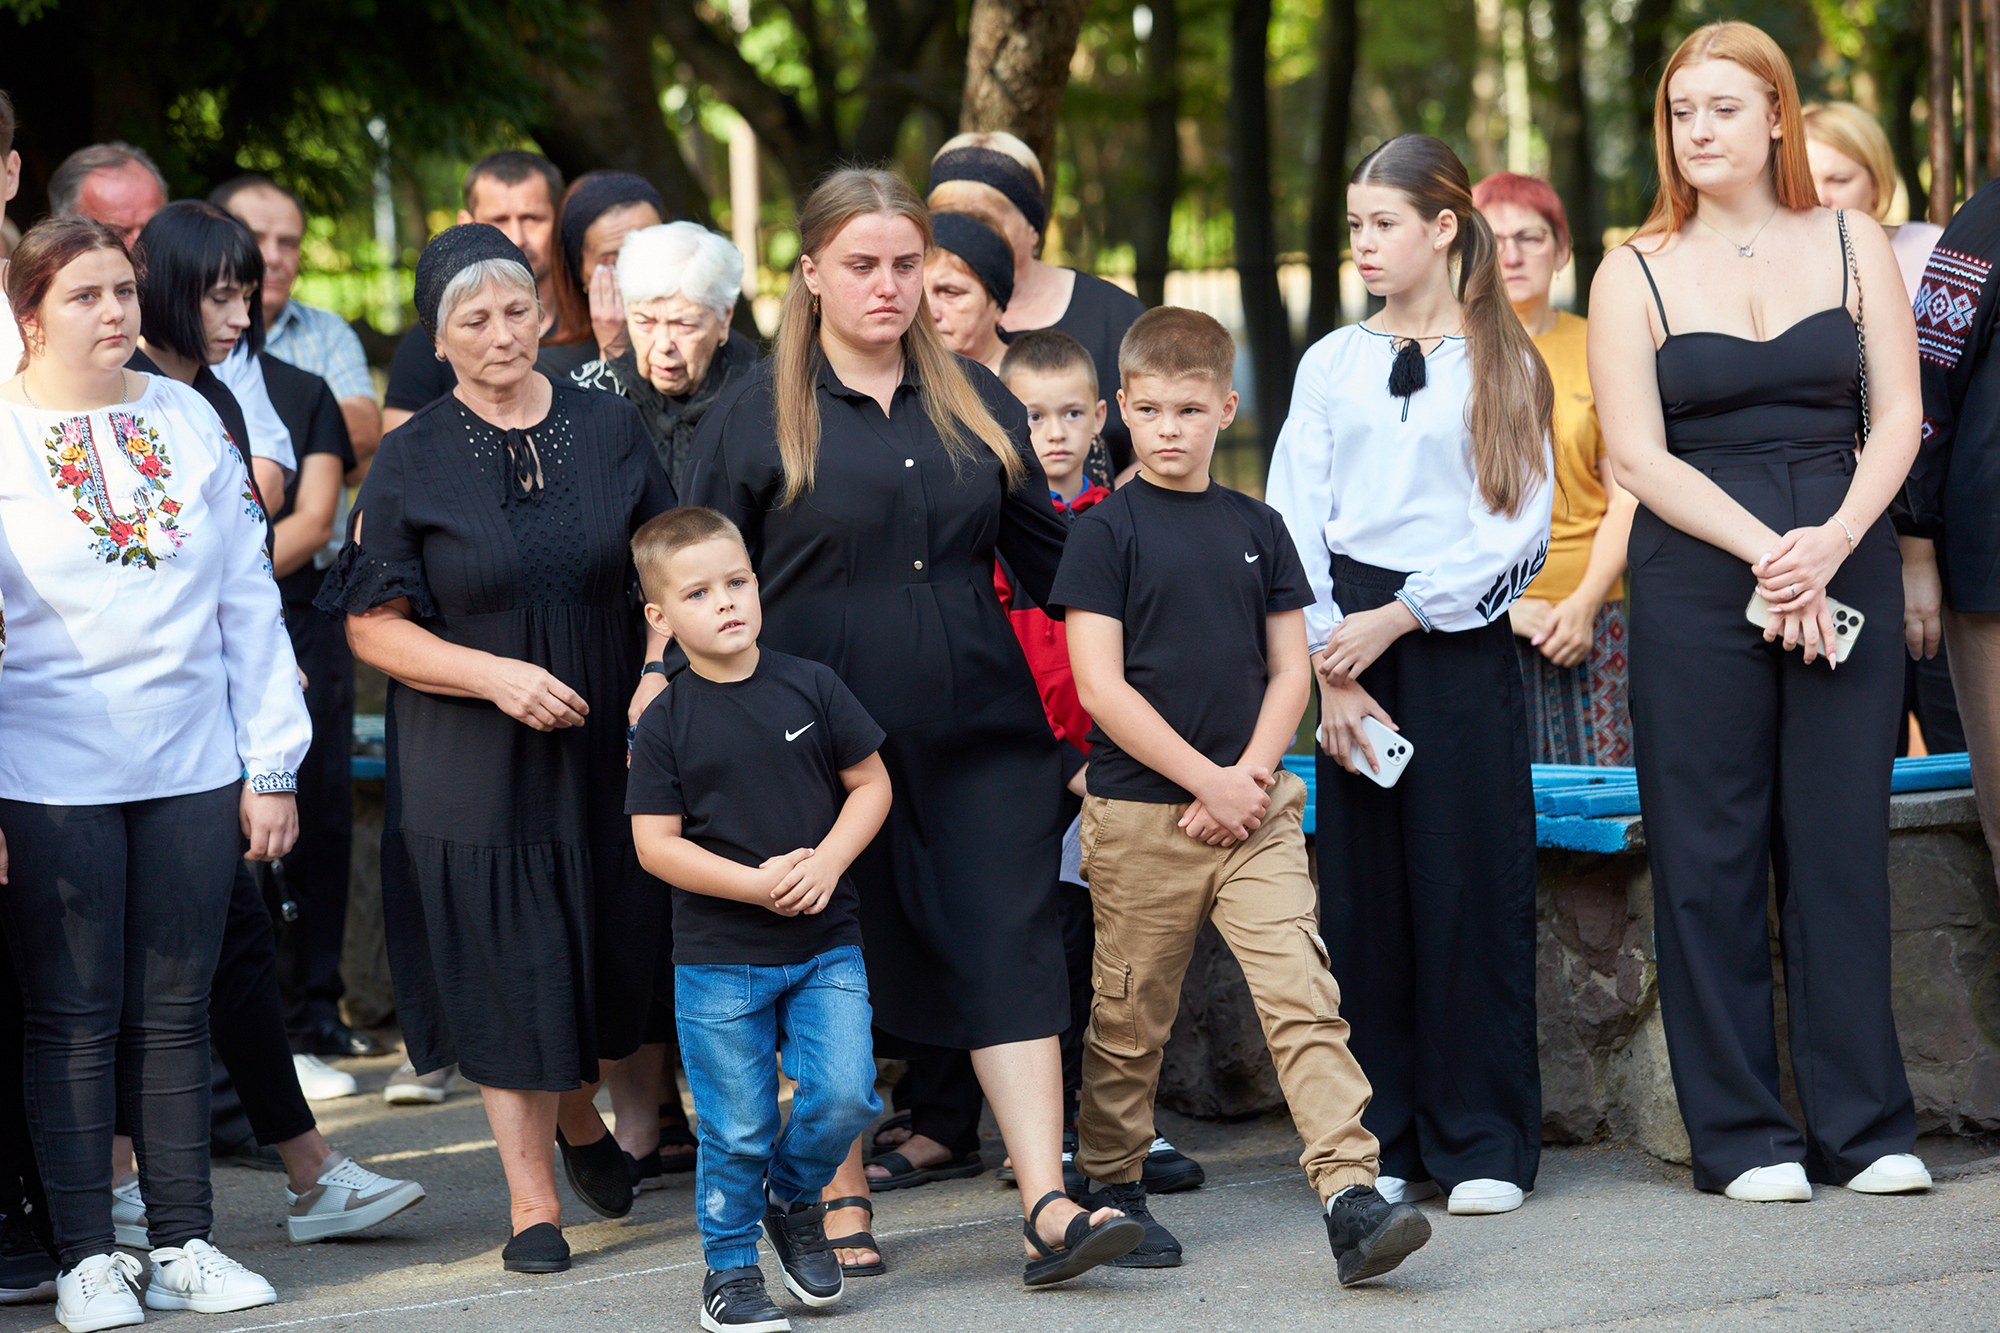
(1581, 714)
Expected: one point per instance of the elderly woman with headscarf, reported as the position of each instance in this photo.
(968, 280)
(679, 283)
(599, 211)
(486, 573)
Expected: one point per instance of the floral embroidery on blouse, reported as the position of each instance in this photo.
(152, 527)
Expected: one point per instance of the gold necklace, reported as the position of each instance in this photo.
(1744, 249)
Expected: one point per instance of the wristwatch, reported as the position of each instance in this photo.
(653, 669)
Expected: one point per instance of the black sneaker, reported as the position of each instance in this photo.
(1370, 1235)
(1159, 1249)
(734, 1301)
(335, 1040)
(1168, 1170)
(27, 1272)
(1074, 1183)
(810, 1267)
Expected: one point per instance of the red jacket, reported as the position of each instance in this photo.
(1045, 643)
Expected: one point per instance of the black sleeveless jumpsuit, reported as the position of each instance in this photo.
(1751, 760)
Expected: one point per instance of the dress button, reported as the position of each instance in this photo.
(909, 462)
(919, 564)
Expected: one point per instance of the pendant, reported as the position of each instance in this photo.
(1745, 252)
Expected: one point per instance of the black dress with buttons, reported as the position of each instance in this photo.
(522, 932)
(884, 571)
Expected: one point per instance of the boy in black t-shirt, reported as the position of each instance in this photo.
(1187, 636)
(755, 783)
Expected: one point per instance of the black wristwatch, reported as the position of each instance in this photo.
(653, 669)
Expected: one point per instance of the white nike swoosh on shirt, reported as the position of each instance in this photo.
(794, 735)
(1251, 559)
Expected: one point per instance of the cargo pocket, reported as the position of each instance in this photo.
(1111, 1012)
(1324, 989)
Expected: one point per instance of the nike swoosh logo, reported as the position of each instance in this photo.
(1250, 559)
(794, 735)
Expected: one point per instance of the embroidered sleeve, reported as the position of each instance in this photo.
(1484, 572)
(1955, 311)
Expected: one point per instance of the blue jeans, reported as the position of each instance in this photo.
(731, 1020)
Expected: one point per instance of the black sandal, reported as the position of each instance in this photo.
(677, 1136)
(1084, 1246)
(860, 1240)
(903, 1174)
(900, 1120)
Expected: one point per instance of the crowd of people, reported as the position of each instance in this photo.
(912, 692)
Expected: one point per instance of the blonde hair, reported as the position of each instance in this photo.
(1000, 142)
(1752, 48)
(1510, 411)
(664, 536)
(953, 405)
(1172, 343)
(1853, 133)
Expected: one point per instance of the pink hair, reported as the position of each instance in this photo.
(1507, 187)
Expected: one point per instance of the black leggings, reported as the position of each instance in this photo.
(114, 917)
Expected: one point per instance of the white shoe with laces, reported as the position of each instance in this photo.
(1480, 1198)
(346, 1197)
(409, 1088)
(1898, 1173)
(128, 1213)
(197, 1276)
(99, 1293)
(1783, 1183)
(1395, 1189)
(320, 1081)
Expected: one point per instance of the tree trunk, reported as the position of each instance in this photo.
(1326, 228)
(801, 145)
(1153, 242)
(1942, 191)
(1016, 67)
(1264, 315)
(1649, 61)
(918, 61)
(1570, 166)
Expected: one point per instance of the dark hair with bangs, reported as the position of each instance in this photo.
(187, 249)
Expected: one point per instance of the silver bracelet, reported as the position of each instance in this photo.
(1849, 531)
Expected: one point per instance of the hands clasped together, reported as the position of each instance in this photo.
(1792, 578)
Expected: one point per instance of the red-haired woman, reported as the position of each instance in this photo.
(1726, 345)
(1569, 625)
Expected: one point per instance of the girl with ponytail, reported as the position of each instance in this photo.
(1414, 474)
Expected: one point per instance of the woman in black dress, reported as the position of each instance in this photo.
(488, 574)
(874, 477)
(1730, 410)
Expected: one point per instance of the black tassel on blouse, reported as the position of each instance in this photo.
(1406, 375)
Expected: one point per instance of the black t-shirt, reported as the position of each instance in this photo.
(753, 768)
(310, 412)
(1192, 575)
(417, 378)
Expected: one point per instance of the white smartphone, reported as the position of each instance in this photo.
(1392, 751)
(1847, 622)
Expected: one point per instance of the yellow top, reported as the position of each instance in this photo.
(1580, 501)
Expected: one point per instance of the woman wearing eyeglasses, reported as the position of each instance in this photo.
(1569, 626)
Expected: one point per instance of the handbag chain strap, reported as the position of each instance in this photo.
(1860, 329)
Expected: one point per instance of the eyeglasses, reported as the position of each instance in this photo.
(1527, 242)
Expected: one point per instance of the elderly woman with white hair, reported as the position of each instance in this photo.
(680, 282)
(486, 573)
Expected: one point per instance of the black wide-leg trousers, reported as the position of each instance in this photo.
(316, 869)
(1751, 762)
(1427, 904)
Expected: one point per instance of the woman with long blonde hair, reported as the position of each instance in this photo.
(874, 477)
(1740, 346)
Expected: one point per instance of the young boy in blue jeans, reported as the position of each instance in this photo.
(755, 783)
(1188, 640)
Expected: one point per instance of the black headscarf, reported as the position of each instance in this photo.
(990, 166)
(450, 253)
(982, 249)
(595, 194)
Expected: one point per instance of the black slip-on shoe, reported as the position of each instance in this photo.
(734, 1301)
(598, 1174)
(1159, 1249)
(335, 1040)
(539, 1249)
(798, 1233)
(1370, 1235)
(1168, 1170)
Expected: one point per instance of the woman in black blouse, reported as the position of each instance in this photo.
(488, 574)
(874, 477)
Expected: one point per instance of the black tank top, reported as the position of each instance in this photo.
(1785, 399)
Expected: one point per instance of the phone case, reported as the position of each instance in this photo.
(1847, 622)
(1392, 750)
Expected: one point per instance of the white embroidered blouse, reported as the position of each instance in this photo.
(146, 655)
(1389, 482)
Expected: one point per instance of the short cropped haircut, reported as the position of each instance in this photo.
(1172, 342)
(1529, 192)
(221, 195)
(66, 185)
(511, 166)
(1048, 352)
(681, 259)
(185, 251)
(665, 536)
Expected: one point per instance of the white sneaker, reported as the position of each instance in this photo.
(1898, 1173)
(320, 1081)
(348, 1197)
(197, 1276)
(98, 1293)
(128, 1213)
(409, 1088)
(1395, 1189)
(1784, 1183)
(1475, 1198)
